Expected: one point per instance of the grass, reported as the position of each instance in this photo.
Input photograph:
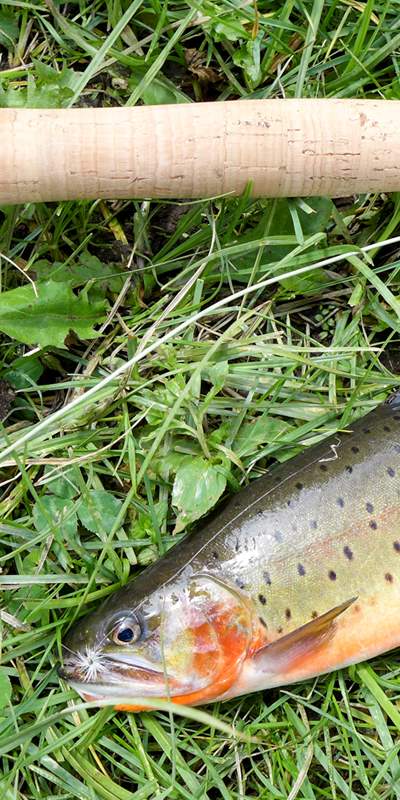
(221, 341)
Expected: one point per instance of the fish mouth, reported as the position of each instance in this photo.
(111, 692)
(125, 683)
(109, 678)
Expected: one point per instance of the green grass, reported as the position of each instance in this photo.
(221, 341)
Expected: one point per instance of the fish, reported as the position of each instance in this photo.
(296, 575)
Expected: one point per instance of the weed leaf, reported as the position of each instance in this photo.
(197, 487)
(46, 319)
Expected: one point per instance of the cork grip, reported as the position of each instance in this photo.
(284, 147)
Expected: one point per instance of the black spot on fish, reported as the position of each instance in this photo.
(389, 577)
(314, 614)
(299, 486)
(267, 579)
(313, 524)
(369, 507)
(280, 629)
(332, 575)
(390, 471)
(396, 546)
(289, 503)
(349, 469)
(366, 430)
(301, 569)
(215, 554)
(348, 553)
(340, 502)
(263, 622)
(323, 467)
(355, 449)
(262, 599)
(396, 416)
(373, 524)
(240, 583)
(386, 428)
(237, 546)
(288, 613)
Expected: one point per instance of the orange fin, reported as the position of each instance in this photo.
(285, 653)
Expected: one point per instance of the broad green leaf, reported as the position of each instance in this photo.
(98, 511)
(78, 273)
(27, 604)
(264, 430)
(5, 688)
(142, 524)
(164, 398)
(197, 487)
(248, 58)
(66, 484)
(49, 88)
(25, 372)
(58, 513)
(217, 373)
(228, 27)
(310, 282)
(47, 319)
(147, 555)
(357, 294)
(64, 78)
(160, 90)
(8, 28)
(172, 460)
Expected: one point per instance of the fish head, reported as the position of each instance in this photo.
(185, 641)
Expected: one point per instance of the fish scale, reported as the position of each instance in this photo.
(346, 500)
(307, 558)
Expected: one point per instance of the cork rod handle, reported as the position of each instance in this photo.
(284, 147)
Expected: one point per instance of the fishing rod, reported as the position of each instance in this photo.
(194, 150)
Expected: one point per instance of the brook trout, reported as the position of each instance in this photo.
(297, 575)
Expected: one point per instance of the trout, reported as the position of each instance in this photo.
(297, 575)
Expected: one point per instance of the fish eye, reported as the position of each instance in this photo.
(127, 631)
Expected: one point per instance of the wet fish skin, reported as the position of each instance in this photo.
(254, 588)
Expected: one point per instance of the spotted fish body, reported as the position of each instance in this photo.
(297, 575)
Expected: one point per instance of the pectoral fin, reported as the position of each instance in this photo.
(294, 650)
